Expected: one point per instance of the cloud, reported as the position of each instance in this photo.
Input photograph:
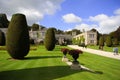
(109, 25)
(85, 27)
(98, 18)
(34, 10)
(101, 22)
(71, 18)
(117, 11)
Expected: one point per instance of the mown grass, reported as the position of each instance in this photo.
(47, 65)
(105, 48)
(32, 47)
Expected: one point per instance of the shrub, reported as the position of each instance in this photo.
(50, 39)
(17, 42)
(2, 38)
(101, 41)
(2, 47)
(108, 41)
(115, 41)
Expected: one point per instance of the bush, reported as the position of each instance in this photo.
(2, 38)
(50, 39)
(108, 41)
(17, 42)
(115, 42)
(101, 41)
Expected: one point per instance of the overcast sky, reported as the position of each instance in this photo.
(103, 15)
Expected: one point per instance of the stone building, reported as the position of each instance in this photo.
(64, 38)
(38, 35)
(90, 37)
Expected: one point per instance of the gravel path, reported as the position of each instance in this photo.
(98, 52)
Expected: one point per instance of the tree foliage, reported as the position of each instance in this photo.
(101, 41)
(17, 41)
(2, 38)
(115, 41)
(3, 21)
(115, 34)
(108, 41)
(50, 39)
(35, 27)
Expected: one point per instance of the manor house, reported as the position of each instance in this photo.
(90, 37)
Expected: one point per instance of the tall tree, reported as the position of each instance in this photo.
(35, 27)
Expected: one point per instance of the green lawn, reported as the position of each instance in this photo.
(47, 65)
(105, 48)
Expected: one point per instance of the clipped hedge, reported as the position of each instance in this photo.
(50, 39)
(17, 42)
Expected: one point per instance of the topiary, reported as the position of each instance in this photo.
(17, 41)
(2, 38)
(50, 39)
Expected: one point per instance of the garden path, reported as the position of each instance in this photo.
(98, 52)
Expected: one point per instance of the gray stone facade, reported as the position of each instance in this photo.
(39, 35)
(89, 36)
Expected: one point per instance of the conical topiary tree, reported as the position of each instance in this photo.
(50, 39)
(17, 41)
(108, 41)
(2, 38)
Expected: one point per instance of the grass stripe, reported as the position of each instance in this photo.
(47, 65)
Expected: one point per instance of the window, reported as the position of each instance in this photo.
(92, 41)
(91, 35)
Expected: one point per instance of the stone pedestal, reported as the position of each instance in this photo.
(64, 59)
(75, 66)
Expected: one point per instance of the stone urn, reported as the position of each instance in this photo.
(75, 54)
(64, 51)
